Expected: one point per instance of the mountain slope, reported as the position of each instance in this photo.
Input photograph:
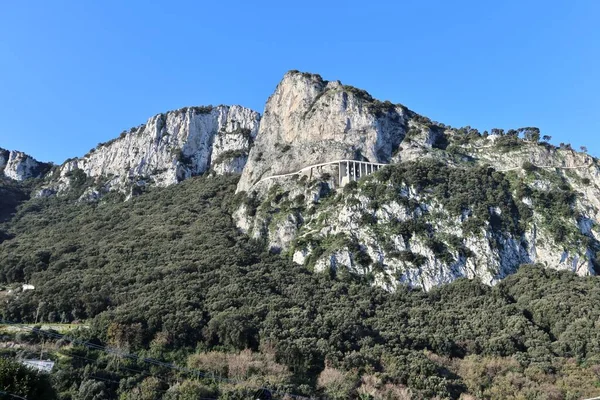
(452, 203)
(448, 202)
(167, 275)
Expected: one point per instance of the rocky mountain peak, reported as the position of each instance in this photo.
(452, 203)
(308, 120)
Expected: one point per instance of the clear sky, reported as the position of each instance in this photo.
(75, 73)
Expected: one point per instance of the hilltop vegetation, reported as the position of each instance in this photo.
(167, 275)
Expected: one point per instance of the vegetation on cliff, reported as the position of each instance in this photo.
(167, 275)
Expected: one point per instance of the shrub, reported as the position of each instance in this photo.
(229, 155)
(183, 159)
(508, 142)
(202, 109)
(350, 187)
(190, 390)
(368, 219)
(243, 366)
(92, 389)
(338, 385)
(77, 178)
(529, 167)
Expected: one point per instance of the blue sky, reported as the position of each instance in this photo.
(75, 73)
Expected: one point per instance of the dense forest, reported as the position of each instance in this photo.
(167, 276)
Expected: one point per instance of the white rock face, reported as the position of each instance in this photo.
(19, 166)
(308, 121)
(284, 233)
(491, 255)
(172, 147)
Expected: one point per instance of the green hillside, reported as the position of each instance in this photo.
(167, 275)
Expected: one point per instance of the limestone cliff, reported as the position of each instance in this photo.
(20, 166)
(309, 120)
(513, 200)
(443, 203)
(169, 148)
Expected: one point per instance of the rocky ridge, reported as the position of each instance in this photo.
(308, 121)
(169, 148)
(408, 235)
(418, 222)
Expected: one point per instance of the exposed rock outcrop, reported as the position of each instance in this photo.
(19, 166)
(309, 120)
(171, 147)
(414, 260)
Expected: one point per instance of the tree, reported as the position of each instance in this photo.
(92, 390)
(583, 149)
(22, 381)
(150, 388)
(125, 336)
(337, 384)
(547, 138)
(531, 133)
(190, 390)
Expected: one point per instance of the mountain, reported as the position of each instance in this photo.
(445, 203)
(214, 251)
(452, 202)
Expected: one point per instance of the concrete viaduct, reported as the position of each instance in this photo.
(347, 170)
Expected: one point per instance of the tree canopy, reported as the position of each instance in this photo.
(168, 275)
